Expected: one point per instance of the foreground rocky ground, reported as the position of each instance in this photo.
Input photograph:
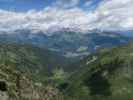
(17, 86)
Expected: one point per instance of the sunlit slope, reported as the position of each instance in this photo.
(27, 58)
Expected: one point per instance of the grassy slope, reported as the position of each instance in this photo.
(33, 60)
(106, 75)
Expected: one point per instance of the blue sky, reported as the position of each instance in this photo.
(25, 5)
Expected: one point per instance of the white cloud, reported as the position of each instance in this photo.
(111, 14)
(66, 3)
(50, 19)
(115, 14)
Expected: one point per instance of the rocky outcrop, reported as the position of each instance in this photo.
(16, 86)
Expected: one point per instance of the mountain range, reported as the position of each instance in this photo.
(66, 66)
(67, 43)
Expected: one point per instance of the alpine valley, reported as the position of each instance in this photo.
(65, 65)
(67, 43)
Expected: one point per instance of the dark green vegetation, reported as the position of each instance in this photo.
(35, 61)
(105, 75)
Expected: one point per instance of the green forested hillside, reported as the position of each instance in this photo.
(107, 75)
(30, 59)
